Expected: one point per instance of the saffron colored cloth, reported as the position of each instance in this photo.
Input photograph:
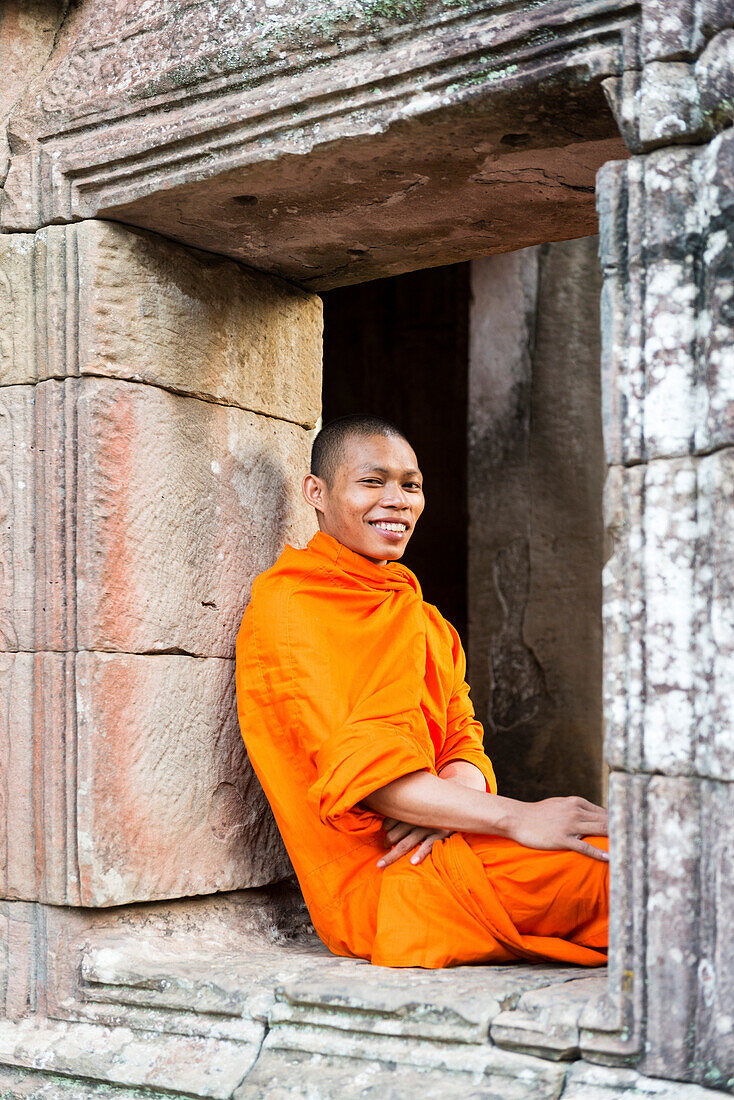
(347, 680)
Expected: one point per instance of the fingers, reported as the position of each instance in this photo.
(596, 824)
(587, 849)
(425, 848)
(590, 808)
(415, 836)
(424, 838)
(399, 830)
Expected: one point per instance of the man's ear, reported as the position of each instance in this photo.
(314, 491)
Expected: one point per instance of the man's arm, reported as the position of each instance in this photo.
(464, 773)
(554, 824)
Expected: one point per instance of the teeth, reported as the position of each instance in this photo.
(385, 526)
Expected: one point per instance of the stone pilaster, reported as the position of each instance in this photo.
(155, 416)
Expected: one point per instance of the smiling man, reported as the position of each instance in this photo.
(355, 712)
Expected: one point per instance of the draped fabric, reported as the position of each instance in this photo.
(346, 680)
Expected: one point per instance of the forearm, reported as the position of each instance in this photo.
(423, 799)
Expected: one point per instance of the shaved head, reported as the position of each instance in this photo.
(329, 446)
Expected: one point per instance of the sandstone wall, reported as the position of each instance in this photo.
(155, 414)
(536, 472)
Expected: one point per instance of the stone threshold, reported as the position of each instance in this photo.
(162, 1015)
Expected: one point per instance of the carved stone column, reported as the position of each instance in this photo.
(667, 224)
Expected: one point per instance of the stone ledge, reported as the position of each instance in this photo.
(288, 1019)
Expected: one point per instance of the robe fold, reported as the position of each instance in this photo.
(346, 680)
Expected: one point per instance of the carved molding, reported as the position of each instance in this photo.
(140, 109)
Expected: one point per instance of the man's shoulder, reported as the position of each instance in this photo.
(291, 575)
(442, 624)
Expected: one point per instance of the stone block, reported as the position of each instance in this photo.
(28, 30)
(674, 839)
(668, 1009)
(172, 569)
(611, 1028)
(690, 943)
(668, 30)
(23, 1084)
(157, 511)
(18, 784)
(669, 632)
(283, 1075)
(669, 105)
(141, 785)
(306, 1062)
(545, 1021)
(589, 1082)
(190, 1065)
(20, 956)
(668, 373)
(715, 79)
(450, 1006)
(18, 497)
(103, 299)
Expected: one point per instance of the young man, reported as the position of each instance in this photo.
(357, 720)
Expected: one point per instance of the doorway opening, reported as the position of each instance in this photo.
(491, 368)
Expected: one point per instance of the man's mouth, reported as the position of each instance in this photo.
(394, 526)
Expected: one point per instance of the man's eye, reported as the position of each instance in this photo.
(371, 481)
(412, 485)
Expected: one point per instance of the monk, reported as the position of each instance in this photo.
(356, 716)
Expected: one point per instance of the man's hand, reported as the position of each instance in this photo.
(403, 838)
(557, 823)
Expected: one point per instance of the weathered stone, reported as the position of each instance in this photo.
(588, 1082)
(189, 1065)
(669, 633)
(18, 498)
(280, 1075)
(133, 753)
(121, 566)
(455, 1005)
(19, 959)
(545, 1020)
(296, 139)
(714, 1019)
(103, 299)
(668, 372)
(18, 867)
(715, 79)
(612, 1026)
(21, 1084)
(173, 571)
(668, 30)
(535, 528)
(295, 1056)
(670, 105)
(673, 913)
(28, 30)
(203, 965)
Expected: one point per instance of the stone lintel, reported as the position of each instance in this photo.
(328, 148)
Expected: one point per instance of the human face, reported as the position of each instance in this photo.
(376, 499)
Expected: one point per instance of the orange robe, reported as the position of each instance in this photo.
(346, 680)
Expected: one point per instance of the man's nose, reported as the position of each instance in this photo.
(394, 496)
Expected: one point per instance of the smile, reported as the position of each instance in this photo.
(395, 527)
